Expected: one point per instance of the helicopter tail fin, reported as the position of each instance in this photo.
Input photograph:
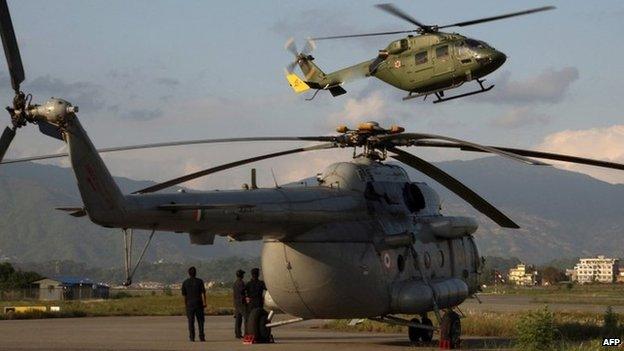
(296, 83)
(103, 201)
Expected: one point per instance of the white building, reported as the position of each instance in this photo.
(597, 269)
(523, 275)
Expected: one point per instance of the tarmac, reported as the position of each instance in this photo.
(169, 333)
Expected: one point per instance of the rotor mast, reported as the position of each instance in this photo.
(366, 136)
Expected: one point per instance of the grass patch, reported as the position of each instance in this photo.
(574, 331)
(219, 303)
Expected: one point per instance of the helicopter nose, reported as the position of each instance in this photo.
(498, 58)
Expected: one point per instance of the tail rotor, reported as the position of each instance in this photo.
(291, 47)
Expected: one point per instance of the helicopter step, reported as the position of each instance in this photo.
(440, 94)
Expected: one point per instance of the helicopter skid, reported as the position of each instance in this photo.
(440, 95)
(442, 99)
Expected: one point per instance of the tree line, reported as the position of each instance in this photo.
(12, 279)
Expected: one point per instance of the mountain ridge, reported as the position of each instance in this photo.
(562, 214)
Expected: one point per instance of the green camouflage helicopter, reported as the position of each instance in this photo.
(426, 64)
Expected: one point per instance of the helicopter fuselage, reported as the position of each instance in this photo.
(363, 233)
(432, 62)
(421, 64)
(364, 241)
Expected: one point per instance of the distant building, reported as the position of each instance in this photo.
(69, 288)
(620, 277)
(523, 275)
(150, 285)
(597, 269)
(571, 274)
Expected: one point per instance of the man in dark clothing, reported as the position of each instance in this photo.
(194, 294)
(240, 310)
(255, 289)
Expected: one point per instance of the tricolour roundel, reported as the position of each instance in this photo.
(387, 261)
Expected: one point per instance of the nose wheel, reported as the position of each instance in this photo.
(420, 334)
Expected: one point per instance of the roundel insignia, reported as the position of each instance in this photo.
(397, 64)
(387, 262)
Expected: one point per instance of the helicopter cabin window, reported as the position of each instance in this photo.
(442, 52)
(421, 58)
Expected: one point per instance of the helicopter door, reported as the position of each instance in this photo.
(442, 61)
(422, 67)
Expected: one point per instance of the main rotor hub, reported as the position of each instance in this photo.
(54, 110)
(366, 136)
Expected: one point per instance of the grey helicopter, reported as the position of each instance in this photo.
(363, 242)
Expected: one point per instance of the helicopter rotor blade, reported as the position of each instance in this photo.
(529, 153)
(395, 11)
(11, 49)
(409, 139)
(291, 67)
(291, 46)
(308, 47)
(454, 185)
(195, 175)
(364, 35)
(176, 143)
(499, 17)
(5, 140)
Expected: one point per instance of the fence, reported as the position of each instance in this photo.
(55, 293)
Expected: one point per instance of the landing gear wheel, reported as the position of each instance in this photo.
(425, 334)
(450, 330)
(256, 325)
(414, 333)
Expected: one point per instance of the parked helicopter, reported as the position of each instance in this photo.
(363, 242)
(426, 64)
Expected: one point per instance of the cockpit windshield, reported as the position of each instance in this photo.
(475, 44)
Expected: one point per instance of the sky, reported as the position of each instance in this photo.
(155, 71)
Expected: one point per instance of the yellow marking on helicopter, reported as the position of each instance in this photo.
(298, 85)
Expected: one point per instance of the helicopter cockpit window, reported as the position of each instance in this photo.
(463, 50)
(421, 58)
(475, 44)
(442, 52)
(414, 198)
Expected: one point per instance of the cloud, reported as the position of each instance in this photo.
(331, 22)
(600, 143)
(167, 82)
(371, 107)
(549, 86)
(86, 95)
(518, 118)
(339, 21)
(143, 114)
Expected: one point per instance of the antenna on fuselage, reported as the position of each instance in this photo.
(254, 183)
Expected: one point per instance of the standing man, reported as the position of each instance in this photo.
(255, 289)
(240, 310)
(194, 294)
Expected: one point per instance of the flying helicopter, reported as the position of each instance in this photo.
(364, 241)
(426, 64)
